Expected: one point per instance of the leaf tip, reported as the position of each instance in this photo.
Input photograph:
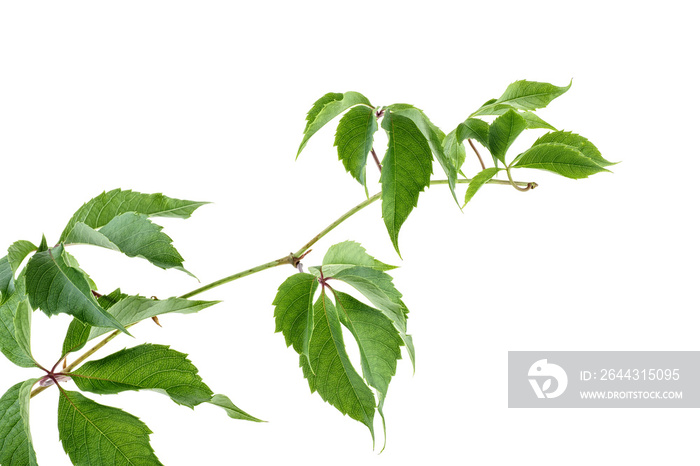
(395, 242)
(43, 246)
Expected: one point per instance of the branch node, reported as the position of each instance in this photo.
(296, 261)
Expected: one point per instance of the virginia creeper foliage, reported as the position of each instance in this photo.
(308, 309)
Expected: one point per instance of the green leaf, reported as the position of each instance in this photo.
(79, 332)
(100, 210)
(533, 121)
(354, 138)
(330, 371)
(71, 261)
(348, 262)
(377, 338)
(326, 108)
(17, 252)
(379, 289)
(503, 132)
(407, 339)
(56, 287)
(23, 326)
(16, 448)
(478, 181)
(558, 158)
(493, 108)
(435, 138)
(471, 128)
(376, 286)
(577, 142)
(379, 333)
(406, 170)
(128, 310)
(454, 149)
(145, 367)
(231, 409)
(15, 325)
(83, 234)
(294, 315)
(134, 235)
(92, 433)
(137, 236)
(7, 283)
(43, 246)
(352, 253)
(525, 95)
(318, 106)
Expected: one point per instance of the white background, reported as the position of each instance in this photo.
(207, 100)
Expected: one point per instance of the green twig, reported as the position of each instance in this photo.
(291, 259)
(284, 260)
(516, 184)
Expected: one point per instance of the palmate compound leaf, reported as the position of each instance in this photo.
(128, 310)
(92, 433)
(354, 138)
(379, 333)
(16, 448)
(558, 158)
(524, 95)
(295, 297)
(56, 287)
(328, 107)
(406, 170)
(349, 262)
